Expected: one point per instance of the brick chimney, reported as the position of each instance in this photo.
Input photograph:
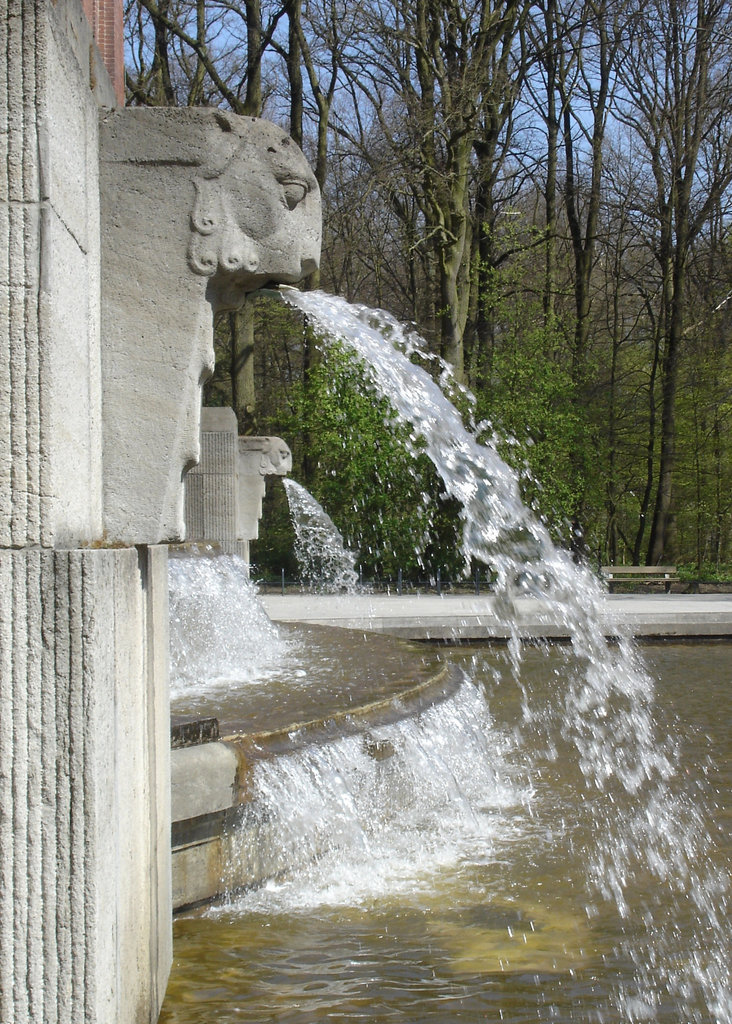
(105, 18)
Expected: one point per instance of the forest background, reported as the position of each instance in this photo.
(544, 189)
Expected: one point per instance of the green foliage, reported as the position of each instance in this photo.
(706, 573)
(531, 401)
(357, 461)
(704, 488)
(473, 187)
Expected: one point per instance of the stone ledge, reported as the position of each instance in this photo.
(211, 796)
(460, 618)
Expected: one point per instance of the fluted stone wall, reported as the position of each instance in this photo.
(211, 486)
(224, 492)
(84, 799)
(50, 419)
(85, 932)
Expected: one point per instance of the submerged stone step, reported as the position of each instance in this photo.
(188, 733)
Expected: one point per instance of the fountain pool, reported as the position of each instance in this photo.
(483, 913)
(230, 662)
(544, 821)
(322, 672)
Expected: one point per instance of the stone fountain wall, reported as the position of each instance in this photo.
(120, 234)
(84, 805)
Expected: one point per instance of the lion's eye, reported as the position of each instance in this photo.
(294, 191)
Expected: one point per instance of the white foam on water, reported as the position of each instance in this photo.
(365, 817)
(220, 634)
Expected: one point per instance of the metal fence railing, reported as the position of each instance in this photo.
(480, 582)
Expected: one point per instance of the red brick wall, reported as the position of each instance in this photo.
(105, 18)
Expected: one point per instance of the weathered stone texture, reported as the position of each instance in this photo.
(50, 416)
(223, 502)
(84, 811)
(198, 208)
(259, 457)
(211, 486)
(84, 773)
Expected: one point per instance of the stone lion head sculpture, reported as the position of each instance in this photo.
(199, 208)
(256, 216)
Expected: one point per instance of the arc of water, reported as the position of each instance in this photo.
(604, 707)
(326, 565)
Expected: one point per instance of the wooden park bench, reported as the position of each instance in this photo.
(665, 574)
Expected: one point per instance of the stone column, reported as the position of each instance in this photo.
(84, 827)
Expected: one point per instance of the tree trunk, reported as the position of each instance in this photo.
(650, 450)
(552, 163)
(658, 544)
(294, 72)
(253, 100)
(241, 361)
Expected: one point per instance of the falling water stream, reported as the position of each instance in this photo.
(544, 845)
(326, 565)
(221, 635)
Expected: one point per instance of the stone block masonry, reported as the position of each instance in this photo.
(50, 391)
(211, 495)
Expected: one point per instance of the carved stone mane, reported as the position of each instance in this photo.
(238, 232)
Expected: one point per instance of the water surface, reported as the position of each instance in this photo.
(484, 912)
(320, 671)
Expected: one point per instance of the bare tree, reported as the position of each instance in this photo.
(426, 74)
(677, 99)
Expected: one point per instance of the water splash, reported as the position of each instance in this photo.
(370, 815)
(602, 707)
(326, 565)
(219, 632)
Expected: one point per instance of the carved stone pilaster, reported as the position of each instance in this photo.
(259, 457)
(211, 486)
(224, 491)
(84, 785)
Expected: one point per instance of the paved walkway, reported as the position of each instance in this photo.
(460, 617)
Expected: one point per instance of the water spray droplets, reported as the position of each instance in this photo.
(602, 709)
(326, 565)
(219, 632)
